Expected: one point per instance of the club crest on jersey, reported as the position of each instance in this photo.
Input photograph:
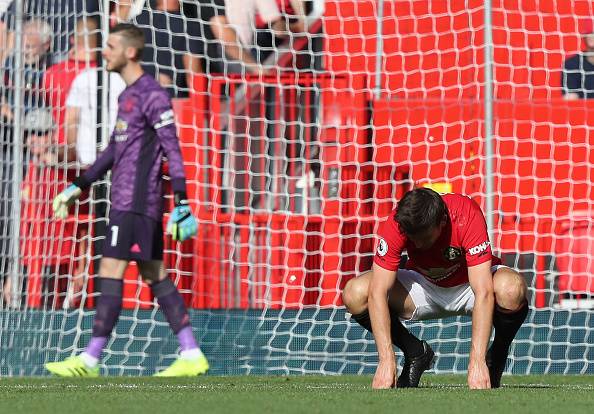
(382, 247)
(128, 105)
(121, 125)
(452, 253)
(119, 132)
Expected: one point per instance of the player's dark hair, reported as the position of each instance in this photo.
(132, 35)
(420, 210)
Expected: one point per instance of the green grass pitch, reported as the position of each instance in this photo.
(293, 394)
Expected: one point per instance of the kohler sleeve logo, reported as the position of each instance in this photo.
(480, 248)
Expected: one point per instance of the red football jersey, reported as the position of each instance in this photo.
(464, 242)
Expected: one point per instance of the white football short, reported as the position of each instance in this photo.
(434, 302)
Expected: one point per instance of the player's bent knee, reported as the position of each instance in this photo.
(354, 295)
(510, 289)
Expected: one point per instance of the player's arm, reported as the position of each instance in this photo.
(67, 197)
(481, 282)
(381, 282)
(181, 225)
(78, 93)
(475, 241)
(71, 123)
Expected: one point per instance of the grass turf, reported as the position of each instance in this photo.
(293, 394)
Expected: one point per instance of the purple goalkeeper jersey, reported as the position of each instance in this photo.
(144, 133)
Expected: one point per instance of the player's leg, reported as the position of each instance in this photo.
(191, 361)
(418, 355)
(118, 245)
(107, 312)
(511, 309)
(401, 305)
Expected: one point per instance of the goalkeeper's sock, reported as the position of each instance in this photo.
(506, 325)
(191, 354)
(410, 345)
(93, 350)
(89, 360)
(172, 305)
(107, 312)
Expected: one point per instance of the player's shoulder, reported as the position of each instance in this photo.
(461, 208)
(148, 84)
(390, 226)
(150, 90)
(457, 199)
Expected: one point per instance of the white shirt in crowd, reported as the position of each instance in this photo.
(241, 15)
(4, 5)
(83, 95)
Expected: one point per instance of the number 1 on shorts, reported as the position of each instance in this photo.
(114, 235)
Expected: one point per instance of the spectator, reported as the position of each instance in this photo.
(269, 37)
(58, 78)
(81, 114)
(124, 10)
(577, 78)
(81, 138)
(36, 38)
(250, 30)
(61, 15)
(43, 247)
(173, 46)
(57, 85)
(36, 59)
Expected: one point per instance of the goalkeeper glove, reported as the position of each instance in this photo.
(64, 200)
(181, 225)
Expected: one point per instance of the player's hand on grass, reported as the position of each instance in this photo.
(181, 225)
(385, 375)
(64, 200)
(478, 375)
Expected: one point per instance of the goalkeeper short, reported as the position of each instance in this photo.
(132, 236)
(435, 302)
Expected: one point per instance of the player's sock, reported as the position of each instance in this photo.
(506, 326)
(410, 345)
(107, 313)
(363, 319)
(89, 360)
(191, 354)
(172, 305)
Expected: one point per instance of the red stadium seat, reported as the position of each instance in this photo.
(574, 250)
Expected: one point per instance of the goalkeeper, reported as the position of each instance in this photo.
(143, 134)
(450, 271)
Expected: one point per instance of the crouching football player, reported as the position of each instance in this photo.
(450, 271)
(144, 133)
